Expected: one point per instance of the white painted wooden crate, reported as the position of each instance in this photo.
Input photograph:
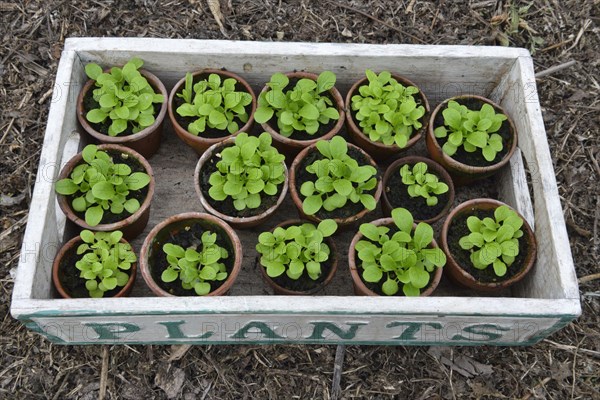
(546, 301)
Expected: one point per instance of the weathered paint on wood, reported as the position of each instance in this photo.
(547, 299)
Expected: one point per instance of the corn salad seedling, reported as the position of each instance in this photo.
(387, 110)
(471, 129)
(214, 104)
(196, 266)
(401, 259)
(296, 249)
(339, 179)
(494, 241)
(421, 183)
(302, 108)
(248, 169)
(104, 261)
(100, 185)
(124, 96)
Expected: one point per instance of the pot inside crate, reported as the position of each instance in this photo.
(147, 140)
(468, 162)
(303, 238)
(186, 252)
(200, 141)
(255, 166)
(397, 194)
(376, 148)
(456, 236)
(123, 159)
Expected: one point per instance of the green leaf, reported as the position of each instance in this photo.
(499, 268)
(410, 291)
(169, 275)
(132, 205)
(343, 186)
(202, 288)
(137, 180)
(474, 224)
(372, 274)
(174, 250)
(403, 219)
(312, 204)
(370, 231)
(93, 70)
(452, 118)
(96, 116)
(263, 114)
(423, 235)
(368, 201)
(87, 236)
(275, 269)
(66, 187)
(389, 287)
(327, 227)
(325, 81)
(478, 139)
(338, 147)
(419, 278)
(103, 190)
(309, 112)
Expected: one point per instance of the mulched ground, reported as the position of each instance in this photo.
(564, 366)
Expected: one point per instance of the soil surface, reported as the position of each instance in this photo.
(565, 366)
(397, 194)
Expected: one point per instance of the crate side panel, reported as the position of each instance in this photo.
(441, 72)
(553, 275)
(43, 234)
(308, 328)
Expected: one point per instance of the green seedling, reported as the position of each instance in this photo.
(296, 249)
(420, 183)
(303, 108)
(196, 266)
(404, 258)
(339, 179)
(472, 130)
(124, 96)
(387, 110)
(214, 104)
(100, 185)
(248, 169)
(494, 241)
(104, 261)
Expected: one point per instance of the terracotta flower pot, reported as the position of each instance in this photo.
(360, 288)
(289, 146)
(460, 272)
(295, 188)
(389, 203)
(378, 150)
(69, 249)
(235, 221)
(461, 173)
(282, 290)
(200, 143)
(167, 230)
(132, 225)
(146, 141)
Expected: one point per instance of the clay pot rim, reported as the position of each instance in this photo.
(285, 291)
(528, 233)
(145, 267)
(296, 143)
(228, 218)
(466, 168)
(70, 245)
(437, 169)
(197, 138)
(340, 221)
(76, 160)
(415, 137)
(123, 140)
(437, 275)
